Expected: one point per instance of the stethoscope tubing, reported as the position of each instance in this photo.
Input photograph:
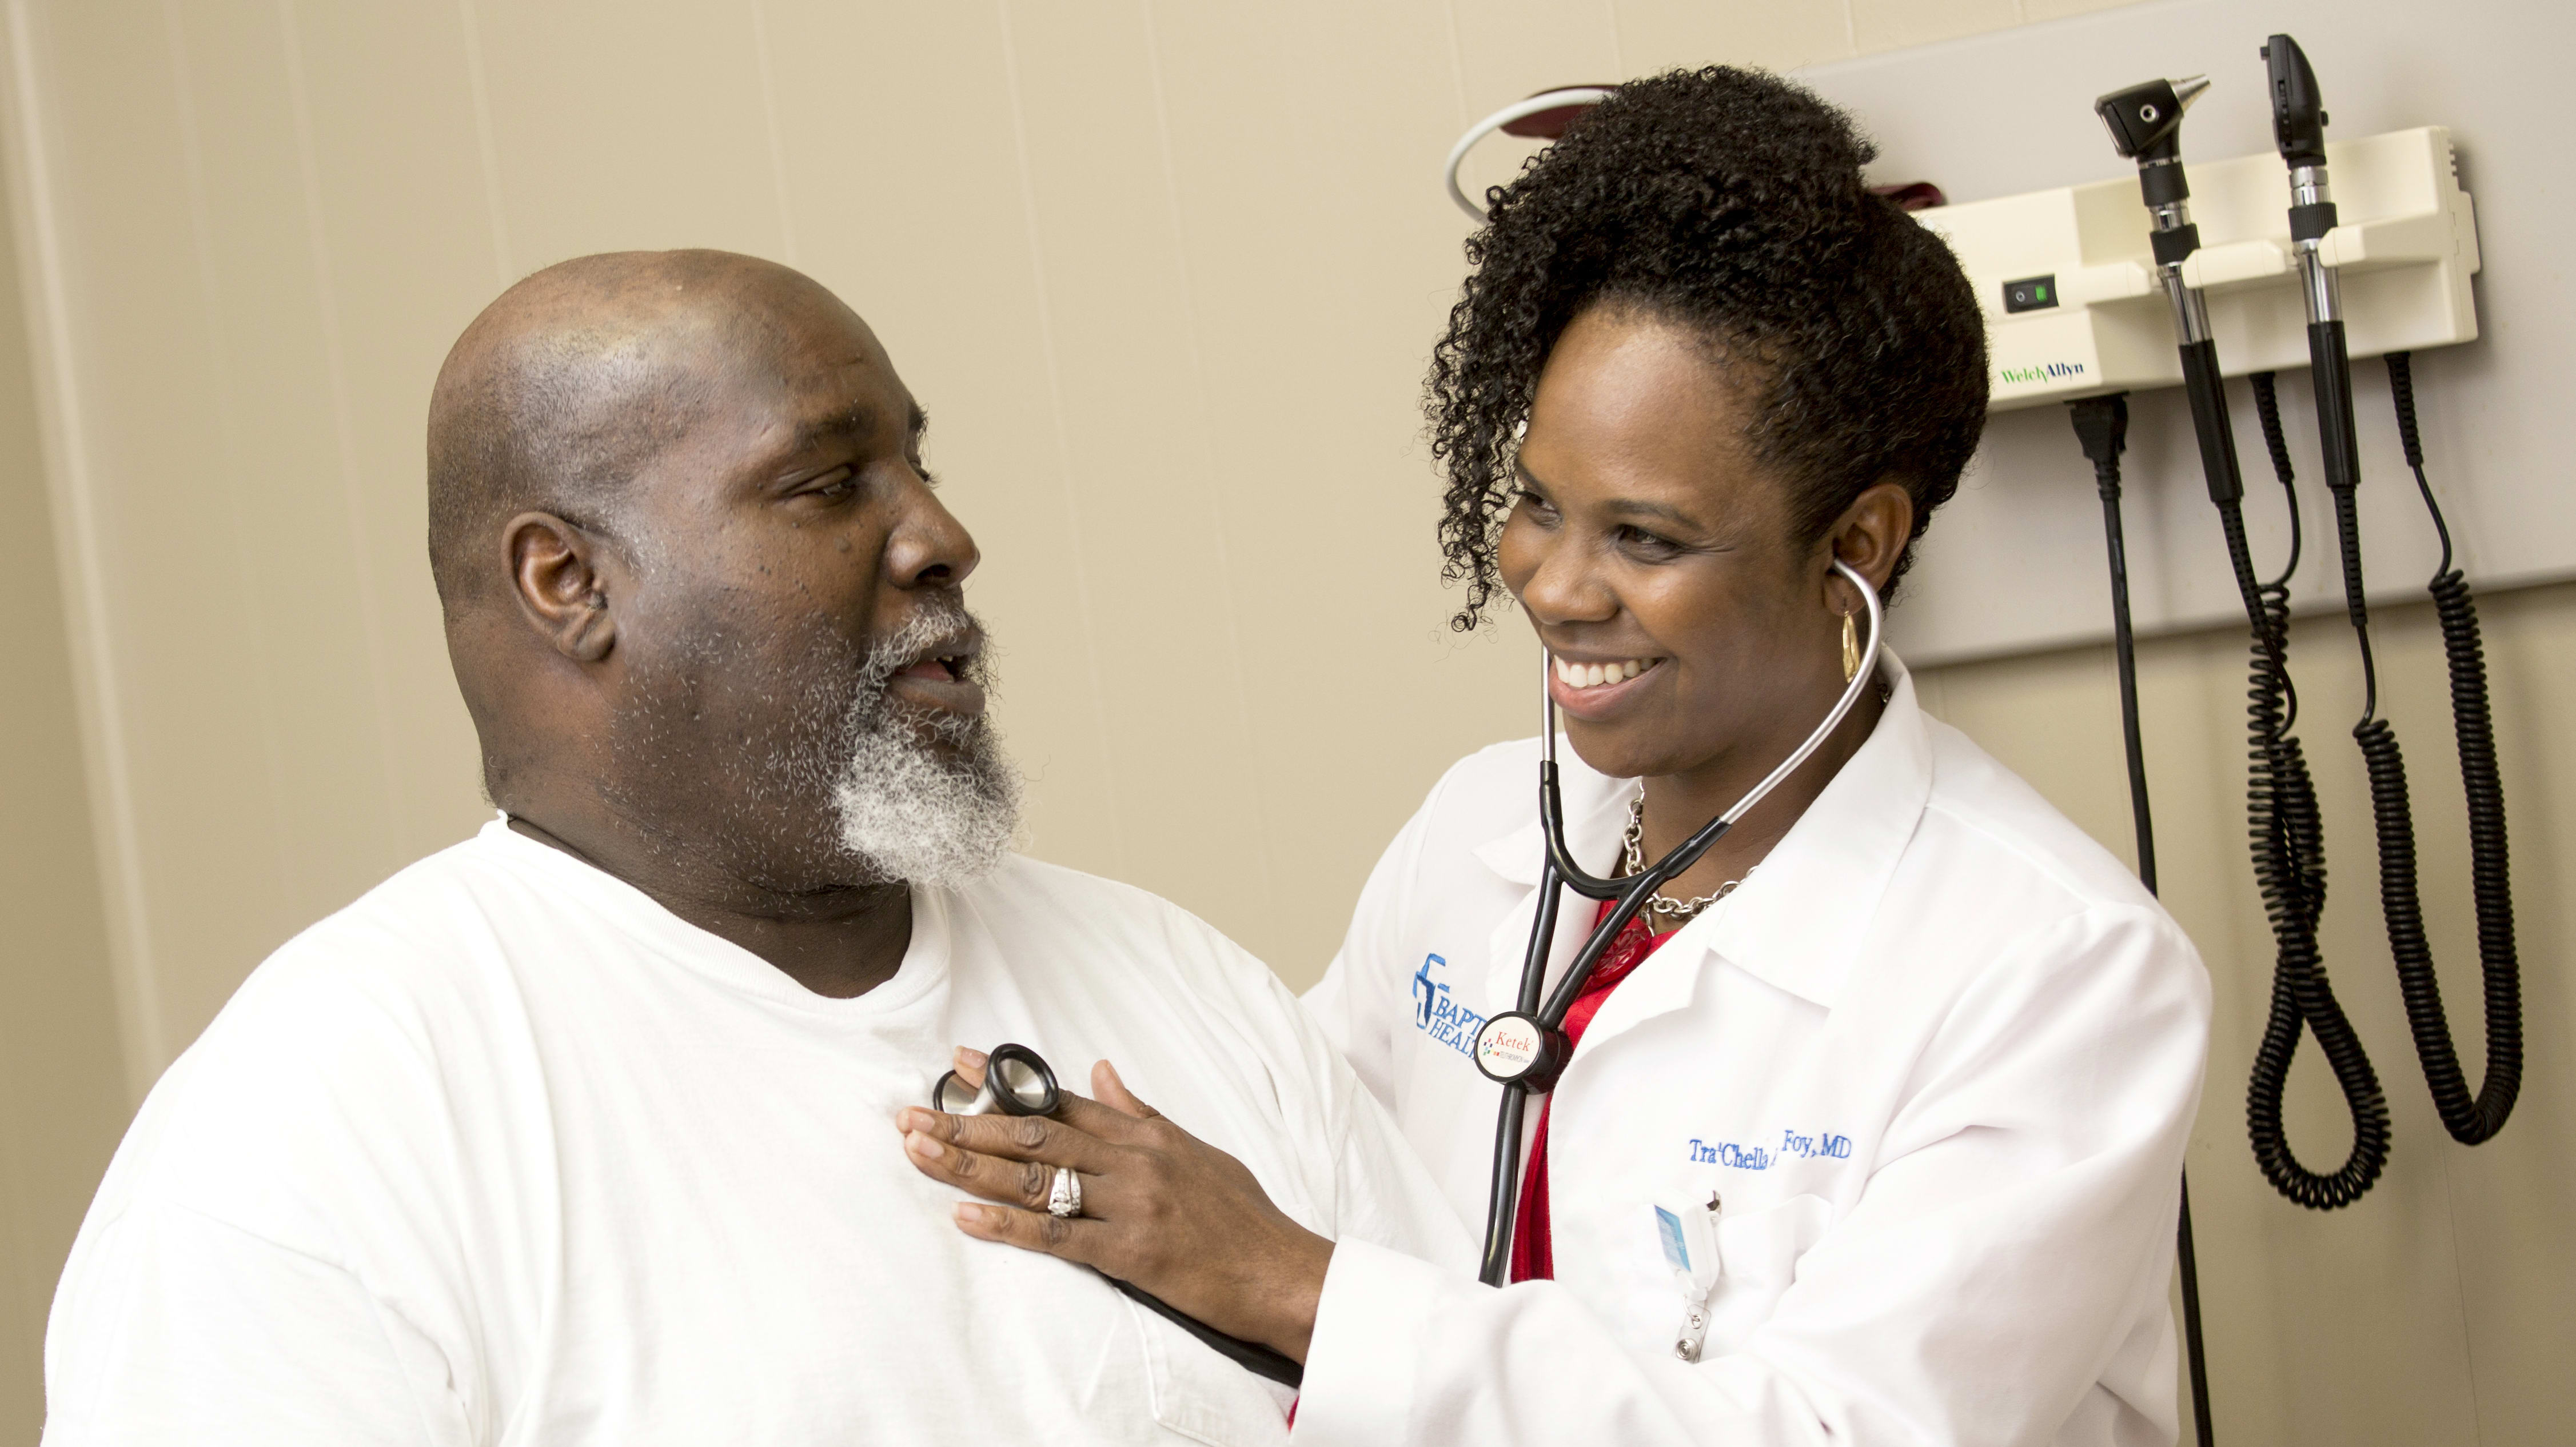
(1559, 872)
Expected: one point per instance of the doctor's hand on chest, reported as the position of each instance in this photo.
(1149, 1204)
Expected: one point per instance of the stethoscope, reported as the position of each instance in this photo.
(1524, 1049)
(1018, 1082)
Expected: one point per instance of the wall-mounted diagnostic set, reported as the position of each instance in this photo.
(2382, 269)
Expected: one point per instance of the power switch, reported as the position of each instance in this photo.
(2030, 293)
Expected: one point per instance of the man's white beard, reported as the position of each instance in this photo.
(906, 810)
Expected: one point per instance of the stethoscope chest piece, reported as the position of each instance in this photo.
(1016, 1082)
(1520, 1051)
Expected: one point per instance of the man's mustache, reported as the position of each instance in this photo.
(944, 629)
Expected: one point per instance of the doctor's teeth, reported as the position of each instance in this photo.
(1593, 675)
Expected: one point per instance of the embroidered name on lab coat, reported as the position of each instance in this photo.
(1821, 1145)
(1438, 1016)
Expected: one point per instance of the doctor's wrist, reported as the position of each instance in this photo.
(1288, 1290)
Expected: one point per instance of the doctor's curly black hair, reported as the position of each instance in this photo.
(1730, 202)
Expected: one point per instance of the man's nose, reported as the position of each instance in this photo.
(930, 548)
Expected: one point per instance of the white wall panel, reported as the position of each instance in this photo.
(2016, 562)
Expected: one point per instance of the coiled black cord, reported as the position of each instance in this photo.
(2288, 840)
(2470, 1120)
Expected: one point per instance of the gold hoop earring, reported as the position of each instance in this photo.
(1851, 649)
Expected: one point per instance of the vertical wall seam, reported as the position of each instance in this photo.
(2460, 1290)
(1851, 27)
(1209, 470)
(485, 143)
(1063, 438)
(1457, 64)
(1618, 51)
(219, 366)
(371, 613)
(777, 140)
(69, 474)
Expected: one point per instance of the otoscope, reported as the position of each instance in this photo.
(2299, 129)
(2145, 122)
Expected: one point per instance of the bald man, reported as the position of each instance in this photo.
(581, 1130)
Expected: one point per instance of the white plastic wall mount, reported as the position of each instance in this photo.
(2067, 282)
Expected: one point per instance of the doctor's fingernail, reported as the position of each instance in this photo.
(973, 1216)
(921, 1146)
(970, 1059)
(913, 1118)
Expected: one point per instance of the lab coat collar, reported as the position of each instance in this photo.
(1796, 923)
(1596, 813)
(1799, 919)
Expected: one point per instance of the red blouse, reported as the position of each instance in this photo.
(1533, 1255)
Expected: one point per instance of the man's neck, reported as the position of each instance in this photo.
(840, 943)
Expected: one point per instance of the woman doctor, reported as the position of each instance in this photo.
(1918, 1054)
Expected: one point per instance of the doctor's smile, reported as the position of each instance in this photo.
(1595, 690)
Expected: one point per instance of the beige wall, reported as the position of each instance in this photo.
(62, 1072)
(1165, 275)
(2436, 1310)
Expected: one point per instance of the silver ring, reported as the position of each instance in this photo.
(1066, 1198)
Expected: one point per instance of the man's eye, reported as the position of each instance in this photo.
(837, 483)
(1645, 541)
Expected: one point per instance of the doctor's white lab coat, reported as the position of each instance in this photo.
(1937, 1059)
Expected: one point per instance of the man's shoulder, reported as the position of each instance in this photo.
(1131, 956)
(335, 1039)
(417, 936)
(1064, 901)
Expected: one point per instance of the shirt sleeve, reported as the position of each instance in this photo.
(175, 1327)
(2021, 1212)
(1349, 1002)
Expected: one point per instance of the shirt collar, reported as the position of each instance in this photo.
(1798, 921)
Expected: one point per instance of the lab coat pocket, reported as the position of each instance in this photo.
(1758, 1253)
(1202, 1396)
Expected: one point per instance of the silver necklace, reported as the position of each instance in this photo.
(1632, 860)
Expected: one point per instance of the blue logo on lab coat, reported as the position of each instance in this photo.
(1438, 1016)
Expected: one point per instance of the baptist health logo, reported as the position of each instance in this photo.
(2047, 372)
(1438, 1016)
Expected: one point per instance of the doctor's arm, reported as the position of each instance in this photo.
(1988, 1275)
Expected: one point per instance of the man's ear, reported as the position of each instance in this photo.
(554, 573)
(1869, 537)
